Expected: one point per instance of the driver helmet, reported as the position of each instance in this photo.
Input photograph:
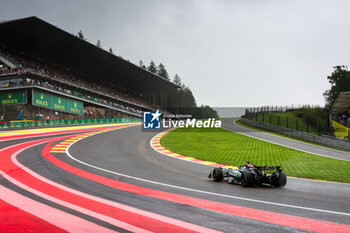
(249, 165)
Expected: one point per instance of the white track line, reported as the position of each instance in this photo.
(201, 191)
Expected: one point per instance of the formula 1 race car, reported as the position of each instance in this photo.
(249, 175)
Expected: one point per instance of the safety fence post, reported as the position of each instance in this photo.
(319, 129)
(263, 117)
(296, 125)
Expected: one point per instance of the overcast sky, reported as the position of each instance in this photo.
(230, 53)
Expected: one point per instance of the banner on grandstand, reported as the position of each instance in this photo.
(59, 103)
(42, 99)
(75, 107)
(13, 97)
(48, 100)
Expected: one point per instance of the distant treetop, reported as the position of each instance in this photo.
(98, 44)
(152, 67)
(81, 35)
(340, 82)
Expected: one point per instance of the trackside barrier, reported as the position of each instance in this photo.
(325, 140)
(19, 124)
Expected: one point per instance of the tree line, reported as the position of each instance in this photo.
(340, 82)
(181, 101)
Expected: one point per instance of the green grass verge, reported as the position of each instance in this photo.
(222, 146)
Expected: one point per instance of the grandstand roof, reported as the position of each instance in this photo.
(41, 39)
(342, 103)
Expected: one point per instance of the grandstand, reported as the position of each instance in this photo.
(340, 115)
(49, 73)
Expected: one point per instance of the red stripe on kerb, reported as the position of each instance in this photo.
(168, 153)
(14, 219)
(250, 213)
(197, 160)
(54, 216)
(218, 165)
(179, 156)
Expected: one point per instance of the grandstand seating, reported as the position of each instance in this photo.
(58, 79)
(46, 58)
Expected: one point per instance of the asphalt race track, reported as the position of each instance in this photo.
(115, 181)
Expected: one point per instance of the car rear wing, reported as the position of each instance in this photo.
(263, 167)
(268, 167)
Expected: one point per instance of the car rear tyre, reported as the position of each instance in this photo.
(218, 174)
(247, 179)
(279, 179)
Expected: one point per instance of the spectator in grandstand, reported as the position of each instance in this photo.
(348, 122)
(25, 63)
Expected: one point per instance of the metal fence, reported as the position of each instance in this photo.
(283, 121)
(325, 140)
(281, 108)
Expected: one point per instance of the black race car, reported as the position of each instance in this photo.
(250, 175)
